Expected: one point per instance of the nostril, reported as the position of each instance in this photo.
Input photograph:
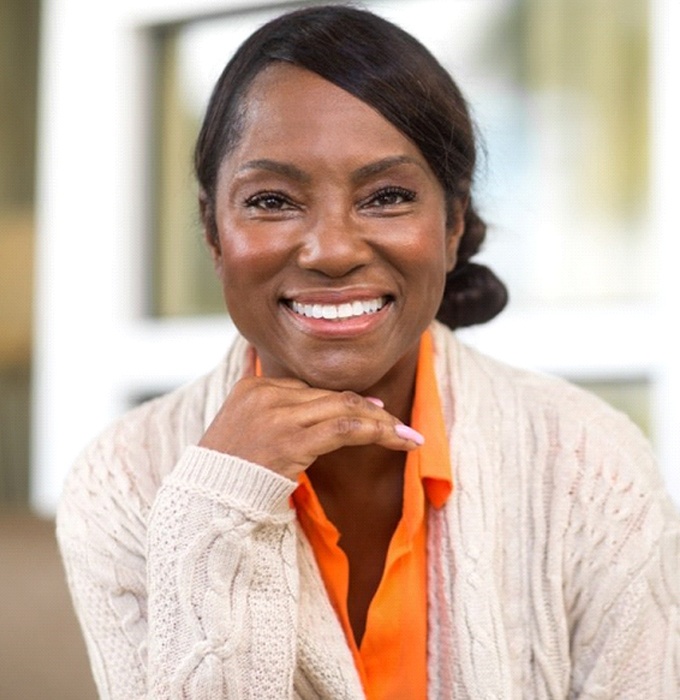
(334, 252)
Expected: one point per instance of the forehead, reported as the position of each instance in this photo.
(292, 112)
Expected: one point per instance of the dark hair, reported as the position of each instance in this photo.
(388, 69)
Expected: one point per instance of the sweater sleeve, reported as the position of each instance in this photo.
(623, 559)
(188, 591)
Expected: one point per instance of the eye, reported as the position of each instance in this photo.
(270, 201)
(390, 197)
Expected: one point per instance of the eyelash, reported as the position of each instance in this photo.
(406, 195)
(282, 201)
(257, 200)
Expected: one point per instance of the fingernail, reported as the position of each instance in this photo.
(375, 401)
(408, 433)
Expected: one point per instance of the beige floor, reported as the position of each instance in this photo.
(41, 653)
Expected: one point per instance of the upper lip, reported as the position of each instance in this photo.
(336, 296)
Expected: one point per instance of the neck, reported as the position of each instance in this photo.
(355, 469)
(366, 468)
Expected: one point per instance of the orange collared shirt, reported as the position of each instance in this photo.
(392, 658)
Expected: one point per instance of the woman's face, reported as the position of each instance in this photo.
(333, 244)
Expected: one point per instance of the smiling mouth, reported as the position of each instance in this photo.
(338, 312)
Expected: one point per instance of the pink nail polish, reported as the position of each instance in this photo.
(408, 433)
(375, 401)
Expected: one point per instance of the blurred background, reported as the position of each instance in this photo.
(107, 294)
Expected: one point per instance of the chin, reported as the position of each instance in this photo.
(340, 381)
(345, 376)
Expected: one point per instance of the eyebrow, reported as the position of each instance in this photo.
(365, 172)
(275, 166)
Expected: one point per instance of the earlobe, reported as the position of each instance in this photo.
(455, 231)
(215, 250)
(210, 230)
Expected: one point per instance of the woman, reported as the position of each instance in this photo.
(354, 504)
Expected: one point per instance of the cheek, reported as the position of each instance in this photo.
(248, 259)
(425, 253)
(431, 276)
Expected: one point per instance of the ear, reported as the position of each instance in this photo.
(455, 228)
(210, 229)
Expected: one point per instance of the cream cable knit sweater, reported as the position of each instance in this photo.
(554, 570)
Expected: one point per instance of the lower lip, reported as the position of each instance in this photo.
(339, 328)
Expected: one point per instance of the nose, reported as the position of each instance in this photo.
(335, 245)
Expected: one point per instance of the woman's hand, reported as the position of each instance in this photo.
(284, 424)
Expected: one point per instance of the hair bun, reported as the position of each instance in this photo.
(473, 294)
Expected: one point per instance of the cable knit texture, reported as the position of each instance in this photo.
(554, 569)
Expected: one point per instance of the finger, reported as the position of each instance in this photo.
(334, 405)
(288, 392)
(282, 382)
(352, 431)
(263, 393)
(406, 432)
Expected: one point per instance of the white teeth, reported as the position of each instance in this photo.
(338, 311)
(345, 311)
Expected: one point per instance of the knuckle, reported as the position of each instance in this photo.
(265, 392)
(346, 425)
(351, 399)
(378, 429)
(243, 386)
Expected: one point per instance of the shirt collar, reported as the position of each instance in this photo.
(433, 458)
